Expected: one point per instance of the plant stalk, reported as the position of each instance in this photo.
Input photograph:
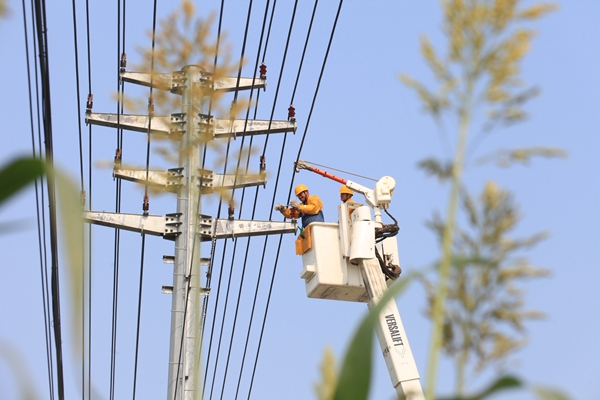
(439, 303)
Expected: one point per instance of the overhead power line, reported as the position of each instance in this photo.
(40, 211)
(41, 30)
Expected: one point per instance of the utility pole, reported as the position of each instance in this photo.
(188, 227)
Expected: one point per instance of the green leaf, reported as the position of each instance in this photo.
(355, 376)
(501, 384)
(18, 174)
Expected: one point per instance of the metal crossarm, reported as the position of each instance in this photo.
(208, 181)
(168, 226)
(177, 82)
(175, 125)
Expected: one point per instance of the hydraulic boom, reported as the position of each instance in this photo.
(370, 245)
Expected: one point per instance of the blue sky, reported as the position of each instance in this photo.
(364, 121)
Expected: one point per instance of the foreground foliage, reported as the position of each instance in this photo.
(486, 44)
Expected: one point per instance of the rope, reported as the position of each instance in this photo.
(341, 170)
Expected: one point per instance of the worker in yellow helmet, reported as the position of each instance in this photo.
(346, 194)
(310, 208)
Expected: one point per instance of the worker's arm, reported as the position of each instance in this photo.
(313, 206)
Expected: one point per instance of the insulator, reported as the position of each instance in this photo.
(146, 205)
(118, 158)
(230, 210)
(291, 113)
(263, 163)
(232, 110)
(123, 61)
(263, 71)
(294, 213)
(90, 103)
(150, 106)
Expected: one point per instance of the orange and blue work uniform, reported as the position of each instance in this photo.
(312, 211)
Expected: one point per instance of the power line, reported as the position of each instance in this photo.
(291, 185)
(90, 100)
(255, 202)
(40, 219)
(118, 187)
(139, 315)
(146, 203)
(76, 50)
(40, 13)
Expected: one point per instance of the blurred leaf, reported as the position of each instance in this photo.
(22, 375)
(3, 8)
(501, 384)
(459, 261)
(544, 393)
(537, 11)
(436, 168)
(16, 225)
(355, 376)
(70, 210)
(506, 158)
(326, 387)
(18, 174)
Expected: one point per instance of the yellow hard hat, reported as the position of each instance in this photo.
(347, 190)
(300, 188)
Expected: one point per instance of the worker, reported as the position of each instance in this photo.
(346, 194)
(310, 207)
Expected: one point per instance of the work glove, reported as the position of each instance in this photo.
(294, 204)
(279, 207)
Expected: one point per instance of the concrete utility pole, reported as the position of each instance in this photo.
(187, 226)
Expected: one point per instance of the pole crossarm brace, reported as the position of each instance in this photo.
(176, 82)
(168, 226)
(175, 125)
(171, 179)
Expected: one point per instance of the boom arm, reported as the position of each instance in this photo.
(377, 199)
(360, 240)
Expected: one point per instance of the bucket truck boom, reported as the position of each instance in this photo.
(367, 251)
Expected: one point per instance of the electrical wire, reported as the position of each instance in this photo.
(75, 47)
(40, 219)
(139, 314)
(41, 29)
(287, 45)
(266, 140)
(90, 97)
(256, 201)
(145, 204)
(260, 273)
(117, 238)
(83, 291)
(243, 50)
(291, 185)
(213, 240)
(241, 205)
